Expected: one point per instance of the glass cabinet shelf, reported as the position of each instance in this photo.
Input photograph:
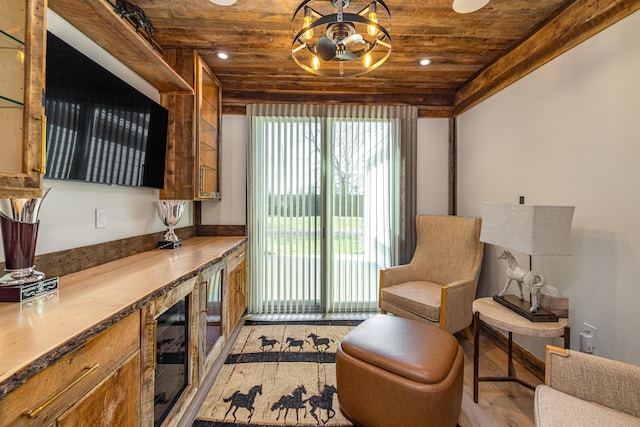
(7, 41)
(9, 103)
(12, 71)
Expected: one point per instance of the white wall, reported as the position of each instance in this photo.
(67, 213)
(232, 208)
(569, 134)
(433, 167)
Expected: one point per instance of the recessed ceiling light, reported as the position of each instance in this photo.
(222, 55)
(425, 61)
(468, 6)
(223, 2)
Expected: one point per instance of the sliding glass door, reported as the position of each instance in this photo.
(358, 208)
(323, 211)
(286, 213)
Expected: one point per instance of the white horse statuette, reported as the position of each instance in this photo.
(532, 280)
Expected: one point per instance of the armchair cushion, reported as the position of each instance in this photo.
(417, 297)
(554, 408)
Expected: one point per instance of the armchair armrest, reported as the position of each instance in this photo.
(455, 305)
(596, 379)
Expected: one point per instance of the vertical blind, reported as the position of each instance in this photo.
(327, 204)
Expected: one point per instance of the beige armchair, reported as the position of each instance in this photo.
(586, 390)
(439, 285)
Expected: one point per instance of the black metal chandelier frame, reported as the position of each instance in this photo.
(305, 52)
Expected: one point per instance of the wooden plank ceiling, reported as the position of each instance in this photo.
(473, 55)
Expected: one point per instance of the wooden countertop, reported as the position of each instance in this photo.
(35, 333)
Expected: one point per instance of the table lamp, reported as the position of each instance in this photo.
(533, 230)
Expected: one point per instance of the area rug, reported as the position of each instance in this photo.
(278, 374)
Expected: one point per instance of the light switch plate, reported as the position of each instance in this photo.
(101, 218)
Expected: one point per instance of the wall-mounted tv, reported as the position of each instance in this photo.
(99, 128)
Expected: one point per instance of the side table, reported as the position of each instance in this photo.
(487, 311)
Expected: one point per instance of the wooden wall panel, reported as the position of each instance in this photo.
(76, 259)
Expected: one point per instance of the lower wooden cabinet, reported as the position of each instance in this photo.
(170, 354)
(236, 288)
(210, 336)
(237, 294)
(88, 379)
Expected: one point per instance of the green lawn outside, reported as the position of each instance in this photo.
(295, 235)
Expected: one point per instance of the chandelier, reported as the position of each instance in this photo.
(329, 42)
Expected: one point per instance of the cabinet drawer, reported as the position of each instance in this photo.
(67, 380)
(120, 390)
(236, 257)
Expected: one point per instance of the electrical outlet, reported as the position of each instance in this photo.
(101, 218)
(588, 338)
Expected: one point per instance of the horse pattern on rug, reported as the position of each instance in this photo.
(278, 375)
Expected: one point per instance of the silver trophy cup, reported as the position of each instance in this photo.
(170, 212)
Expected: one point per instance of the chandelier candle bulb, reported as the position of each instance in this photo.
(307, 22)
(373, 17)
(367, 60)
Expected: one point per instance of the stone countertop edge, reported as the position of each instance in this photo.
(21, 376)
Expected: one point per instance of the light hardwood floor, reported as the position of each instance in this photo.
(499, 403)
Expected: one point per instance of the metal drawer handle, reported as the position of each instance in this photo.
(35, 412)
(240, 255)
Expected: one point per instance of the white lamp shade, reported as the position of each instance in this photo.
(533, 230)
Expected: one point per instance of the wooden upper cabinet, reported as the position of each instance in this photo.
(22, 67)
(193, 148)
(207, 135)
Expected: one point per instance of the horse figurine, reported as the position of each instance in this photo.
(240, 400)
(127, 9)
(532, 280)
(323, 401)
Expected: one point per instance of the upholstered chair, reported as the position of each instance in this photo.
(439, 285)
(585, 390)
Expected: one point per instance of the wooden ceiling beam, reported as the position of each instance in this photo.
(574, 24)
(423, 111)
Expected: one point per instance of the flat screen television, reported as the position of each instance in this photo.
(99, 128)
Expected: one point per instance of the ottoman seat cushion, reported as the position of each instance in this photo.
(404, 348)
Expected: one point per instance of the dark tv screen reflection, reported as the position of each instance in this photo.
(99, 128)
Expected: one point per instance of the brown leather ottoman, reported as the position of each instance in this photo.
(393, 371)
